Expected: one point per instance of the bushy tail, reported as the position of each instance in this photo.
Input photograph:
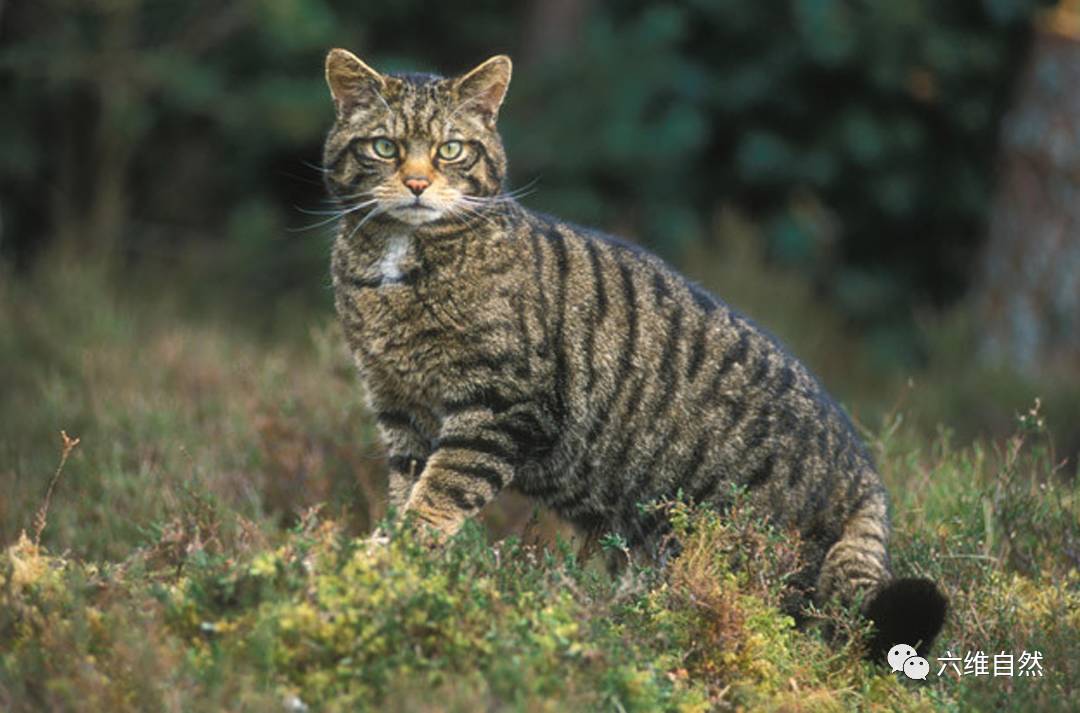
(905, 611)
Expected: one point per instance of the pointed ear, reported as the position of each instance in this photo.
(485, 87)
(350, 80)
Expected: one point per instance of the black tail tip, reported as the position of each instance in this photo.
(906, 611)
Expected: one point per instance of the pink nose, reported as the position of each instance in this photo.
(417, 185)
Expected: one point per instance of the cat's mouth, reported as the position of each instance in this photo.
(415, 212)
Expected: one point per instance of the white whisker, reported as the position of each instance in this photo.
(377, 210)
(511, 196)
(383, 100)
(315, 167)
(462, 105)
(334, 215)
(473, 213)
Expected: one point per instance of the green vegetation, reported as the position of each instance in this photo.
(184, 563)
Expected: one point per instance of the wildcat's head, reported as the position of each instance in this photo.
(416, 148)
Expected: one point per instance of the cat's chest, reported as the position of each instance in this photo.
(382, 282)
(404, 323)
(390, 267)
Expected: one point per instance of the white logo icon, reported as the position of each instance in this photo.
(904, 658)
(898, 655)
(916, 668)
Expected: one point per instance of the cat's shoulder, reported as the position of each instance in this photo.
(553, 228)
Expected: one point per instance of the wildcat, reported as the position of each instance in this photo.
(501, 348)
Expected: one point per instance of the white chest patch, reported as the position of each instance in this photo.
(390, 264)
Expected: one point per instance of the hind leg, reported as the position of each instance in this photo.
(857, 565)
(904, 611)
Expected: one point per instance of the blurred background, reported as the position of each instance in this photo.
(891, 187)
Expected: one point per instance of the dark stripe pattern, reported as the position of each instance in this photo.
(576, 368)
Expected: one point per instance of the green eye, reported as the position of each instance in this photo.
(384, 148)
(450, 150)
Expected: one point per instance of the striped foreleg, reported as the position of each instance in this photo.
(472, 462)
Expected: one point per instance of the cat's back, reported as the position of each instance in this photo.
(666, 389)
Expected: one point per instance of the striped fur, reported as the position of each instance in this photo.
(508, 349)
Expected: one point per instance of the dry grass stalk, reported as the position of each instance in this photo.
(41, 518)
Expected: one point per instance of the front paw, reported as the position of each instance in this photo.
(376, 540)
(431, 527)
(431, 537)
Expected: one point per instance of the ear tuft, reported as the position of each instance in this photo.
(906, 611)
(484, 88)
(349, 78)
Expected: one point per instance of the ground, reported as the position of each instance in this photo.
(206, 547)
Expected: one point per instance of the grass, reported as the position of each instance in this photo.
(203, 548)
